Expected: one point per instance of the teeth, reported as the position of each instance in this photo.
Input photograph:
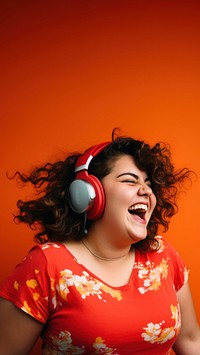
(140, 206)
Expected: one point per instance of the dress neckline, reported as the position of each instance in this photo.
(93, 275)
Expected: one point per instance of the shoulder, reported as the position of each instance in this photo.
(42, 263)
(48, 246)
(52, 256)
(42, 259)
(165, 247)
(47, 250)
(168, 253)
(175, 262)
(167, 250)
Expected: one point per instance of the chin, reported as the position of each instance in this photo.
(137, 237)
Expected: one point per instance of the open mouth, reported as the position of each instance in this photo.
(138, 209)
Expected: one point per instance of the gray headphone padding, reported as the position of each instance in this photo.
(81, 195)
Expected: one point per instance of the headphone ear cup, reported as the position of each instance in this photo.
(97, 207)
(87, 195)
(81, 195)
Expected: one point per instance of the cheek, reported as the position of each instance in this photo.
(115, 199)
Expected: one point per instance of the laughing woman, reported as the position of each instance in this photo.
(100, 280)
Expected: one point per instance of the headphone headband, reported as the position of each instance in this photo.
(85, 159)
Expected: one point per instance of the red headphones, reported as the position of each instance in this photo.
(86, 193)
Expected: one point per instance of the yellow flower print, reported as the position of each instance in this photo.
(62, 286)
(84, 284)
(32, 283)
(156, 333)
(101, 348)
(151, 275)
(52, 284)
(36, 296)
(164, 268)
(176, 316)
(27, 309)
(16, 285)
(113, 293)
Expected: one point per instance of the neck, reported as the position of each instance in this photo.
(103, 257)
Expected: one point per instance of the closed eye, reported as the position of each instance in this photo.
(130, 181)
(135, 182)
(135, 179)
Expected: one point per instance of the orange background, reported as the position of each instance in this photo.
(71, 71)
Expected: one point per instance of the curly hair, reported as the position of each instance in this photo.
(50, 211)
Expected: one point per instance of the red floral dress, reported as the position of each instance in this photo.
(84, 315)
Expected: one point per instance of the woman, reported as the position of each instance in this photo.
(100, 280)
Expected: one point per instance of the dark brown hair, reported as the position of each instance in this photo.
(50, 210)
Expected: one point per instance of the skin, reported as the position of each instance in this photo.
(188, 341)
(110, 236)
(126, 185)
(18, 331)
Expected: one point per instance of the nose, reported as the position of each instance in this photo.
(145, 189)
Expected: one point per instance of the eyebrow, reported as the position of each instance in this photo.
(133, 175)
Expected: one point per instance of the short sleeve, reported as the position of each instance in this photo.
(178, 267)
(28, 287)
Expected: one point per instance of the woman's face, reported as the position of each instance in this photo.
(129, 201)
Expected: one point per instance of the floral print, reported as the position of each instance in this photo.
(85, 285)
(101, 348)
(64, 345)
(83, 315)
(152, 275)
(157, 333)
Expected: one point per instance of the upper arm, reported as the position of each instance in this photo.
(18, 330)
(188, 341)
